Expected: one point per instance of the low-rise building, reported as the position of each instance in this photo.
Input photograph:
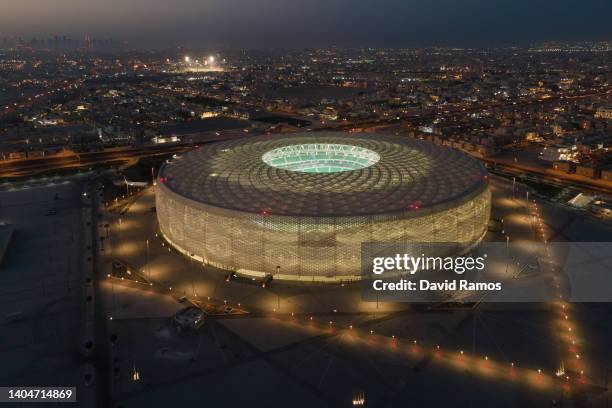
(558, 152)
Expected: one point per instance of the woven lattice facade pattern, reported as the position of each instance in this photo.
(223, 204)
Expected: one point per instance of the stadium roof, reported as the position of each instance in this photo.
(325, 174)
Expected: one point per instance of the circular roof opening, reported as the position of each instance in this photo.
(320, 158)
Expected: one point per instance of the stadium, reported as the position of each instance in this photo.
(298, 207)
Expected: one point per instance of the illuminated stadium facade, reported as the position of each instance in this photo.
(298, 207)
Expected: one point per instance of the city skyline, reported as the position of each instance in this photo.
(244, 24)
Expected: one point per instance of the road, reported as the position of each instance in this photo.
(30, 167)
(24, 168)
(550, 176)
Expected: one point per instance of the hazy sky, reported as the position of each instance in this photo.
(282, 23)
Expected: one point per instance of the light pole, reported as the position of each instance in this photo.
(119, 238)
(127, 187)
(191, 273)
(112, 279)
(277, 295)
(147, 261)
(527, 200)
(135, 374)
(507, 252)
